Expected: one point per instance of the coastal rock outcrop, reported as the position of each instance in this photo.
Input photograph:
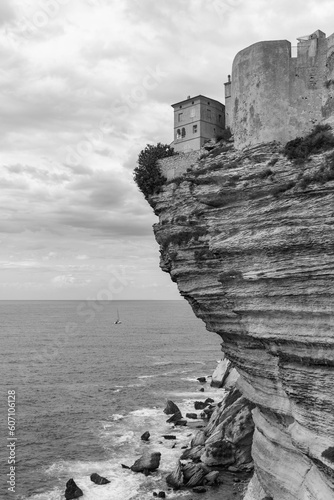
(97, 479)
(72, 490)
(248, 237)
(147, 463)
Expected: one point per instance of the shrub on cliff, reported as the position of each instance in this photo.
(320, 139)
(147, 174)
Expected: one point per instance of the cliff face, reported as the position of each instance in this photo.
(248, 237)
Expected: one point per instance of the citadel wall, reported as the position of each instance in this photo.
(278, 97)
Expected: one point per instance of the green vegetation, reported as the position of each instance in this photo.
(320, 139)
(147, 174)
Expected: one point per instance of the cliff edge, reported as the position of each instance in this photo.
(248, 236)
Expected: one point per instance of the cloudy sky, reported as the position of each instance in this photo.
(85, 85)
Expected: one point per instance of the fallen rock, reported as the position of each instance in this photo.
(211, 478)
(221, 373)
(169, 436)
(145, 436)
(201, 389)
(202, 380)
(171, 408)
(200, 405)
(191, 415)
(181, 422)
(125, 466)
(209, 400)
(175, 478)
(193, 474)
(148, 462)
(161, 494)
(97, 479)
(192, 453)
(199, 489)
(175, 417)
(72, 490)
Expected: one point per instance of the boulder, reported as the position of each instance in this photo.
(161, 494)
(175, 478)
(145, 436)
(148, 462)
(200, 405)
(211, 478)
(198, 439)
(192, 453)
(201, 389)
(171, 408)
(191, 415)
(72, 490)
(199, 489)
(169, 436)
(221, 373)
(193, 475)
(181, 422)
(202, 380)
(209, 400)
(221, 452)
(97, 479)
(174, 418)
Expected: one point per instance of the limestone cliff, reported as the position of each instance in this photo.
(249, 238)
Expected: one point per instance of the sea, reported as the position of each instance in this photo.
(86, 389)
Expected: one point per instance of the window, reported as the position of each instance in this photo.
(208, 114)
(192, 112)
(194, 129)
(219, 118)
(178, 134)
(183, 132)
(179, 118)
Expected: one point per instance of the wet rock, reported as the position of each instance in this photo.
(198, 439)
(171, 408)
(72, 490)
(199, 489)
(202, 380)
(191, 415)
(193, 474)
(169, 436)
(145, 436)
(147, 463)
(220, 452)
(211, 478)
(181, 423)
(97, 479)
(125, 466)
(161, 494)
(175, 478)
(201, 389)
(175, 417)
(209, 400)
(200, 405)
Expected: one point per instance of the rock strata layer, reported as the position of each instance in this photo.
(248, 237)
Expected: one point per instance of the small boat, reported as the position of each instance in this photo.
(118, 321)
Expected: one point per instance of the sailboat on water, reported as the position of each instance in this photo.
(118, 320)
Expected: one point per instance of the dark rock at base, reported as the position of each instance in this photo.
(155, 494)
(125, 466)
(72, 490)
(145, 436)
(175, 417)
(162, 494)
(199, 489)
(181, 422)
(147, 463)
(97, 479)
(171, 408)
(201, 389)
(175, 478)
(200, 405)
(191, 415)
(169, 436)
(202, 380)
(209, 400)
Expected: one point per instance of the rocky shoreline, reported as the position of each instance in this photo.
(217, 458)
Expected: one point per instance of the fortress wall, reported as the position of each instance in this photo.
(277, 97)
(260, 93)
(173, 166)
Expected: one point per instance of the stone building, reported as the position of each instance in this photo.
(274, 96)
(196, 120)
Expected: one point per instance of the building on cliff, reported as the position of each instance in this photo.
(197, 120)
(274, 96)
